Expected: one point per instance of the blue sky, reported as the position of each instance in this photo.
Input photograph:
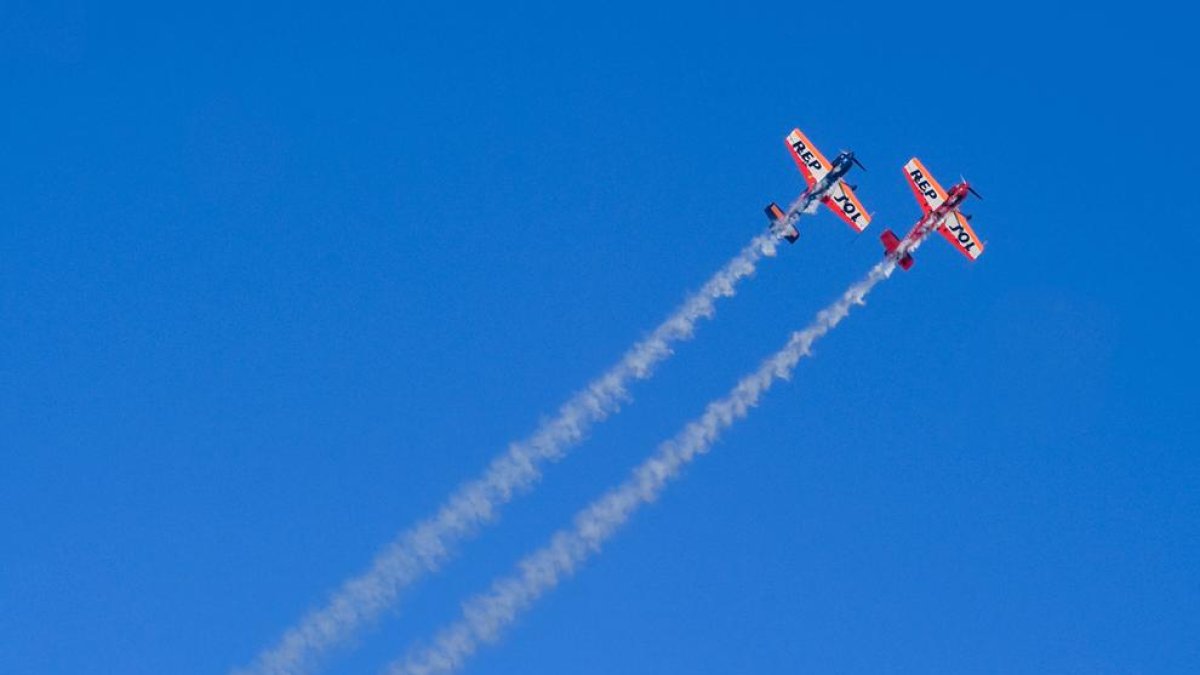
(274, 279)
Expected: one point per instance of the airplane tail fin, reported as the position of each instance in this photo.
(890, 243)
(779, 223)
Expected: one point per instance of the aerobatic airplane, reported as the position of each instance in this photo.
(941, 212)
(824, 183)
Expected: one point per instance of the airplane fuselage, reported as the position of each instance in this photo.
(841, 166)
(826, 185)
(930, 221)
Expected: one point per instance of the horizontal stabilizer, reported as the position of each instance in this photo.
(780, 225)
(890, 241)
(774, 213)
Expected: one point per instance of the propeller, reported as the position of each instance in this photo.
(850, 153)
(969, 188)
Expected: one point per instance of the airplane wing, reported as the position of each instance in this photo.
(926, 189)
(845, 205)
(958, 231)
(812, 163)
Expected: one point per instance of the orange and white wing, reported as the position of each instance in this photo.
(812, 163)
(926, 189)
(845, 205)
(958, 231)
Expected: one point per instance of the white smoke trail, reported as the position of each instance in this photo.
(425, 546)
(486, 615)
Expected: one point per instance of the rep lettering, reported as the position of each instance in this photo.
(923, 185)
(805, 154)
